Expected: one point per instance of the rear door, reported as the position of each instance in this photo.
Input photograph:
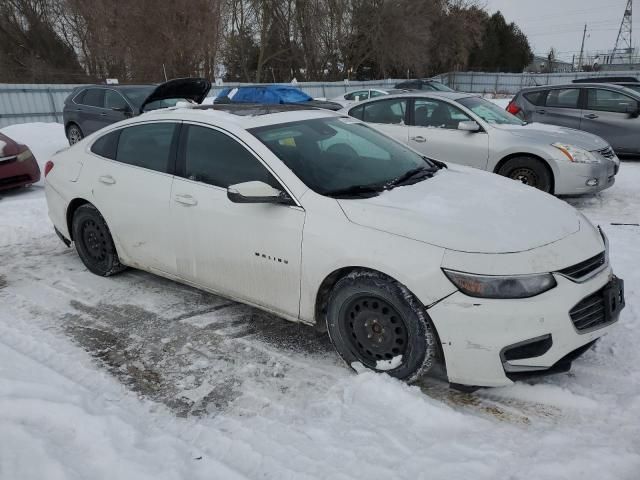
(434, 132)
(606, 114)
(130, 174)
(390, 116)
(532, 104)
(249, 251)
(562, 107)
(90, 107)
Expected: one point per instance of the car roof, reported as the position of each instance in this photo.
(426, 94)
(574, 85)
(243, 115)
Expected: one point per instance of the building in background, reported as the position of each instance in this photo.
(542, 64)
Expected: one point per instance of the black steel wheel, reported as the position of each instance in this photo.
(529, 171)
(94, 243)
(74, 134)
(374, 321)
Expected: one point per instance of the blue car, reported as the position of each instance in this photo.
(272, 95)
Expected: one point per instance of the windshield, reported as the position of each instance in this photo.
(336, 153)
(634, 87)
(490, 112)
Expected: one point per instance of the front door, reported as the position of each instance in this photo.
(608, 114)
(249, 251)
(434, 132)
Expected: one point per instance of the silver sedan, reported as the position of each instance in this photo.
(469, 130)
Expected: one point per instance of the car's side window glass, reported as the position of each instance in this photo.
(113, 99)
(609, 101)
(357, 112)
(147, 146)
(385, 111)
(437, 114)
(376, 93)
(79, 98)
(537, 98)
(215, 158)
(107, 145)
(563, 98)
(94, 97)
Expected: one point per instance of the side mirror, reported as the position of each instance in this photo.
(469, 126)
(126, 110)
(257, 192)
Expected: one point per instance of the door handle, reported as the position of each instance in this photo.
(107, 179)
(591, 116)
(541, 111)
(419, 139)
(185, 200)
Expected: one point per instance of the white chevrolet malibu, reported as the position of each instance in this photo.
(321, 219)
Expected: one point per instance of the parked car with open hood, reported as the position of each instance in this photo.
(321, 219)
(609, 111)
(272, 95)
(469, 130)
(92, 107)
(18, 166)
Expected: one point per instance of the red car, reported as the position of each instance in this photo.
(18, 166)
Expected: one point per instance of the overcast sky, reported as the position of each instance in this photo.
(559, 23)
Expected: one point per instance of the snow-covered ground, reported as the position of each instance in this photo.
(135, 377)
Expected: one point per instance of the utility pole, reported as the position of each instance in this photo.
(623, 40)
(584, 34)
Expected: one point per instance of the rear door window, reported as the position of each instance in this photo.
(609, 101)
(213, 157)
(563, 98)
(537, 98)
(94, 97)
(391, 112)
(147, 146)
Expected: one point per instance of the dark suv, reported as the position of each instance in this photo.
(92, 107)
(609, 111)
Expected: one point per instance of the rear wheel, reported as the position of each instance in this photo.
(74, 134)
(94, 243)
(376, 322)
(528, 170)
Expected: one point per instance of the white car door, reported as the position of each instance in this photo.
(388, 116)
(434, 132)
(248, 251)
(130, 176)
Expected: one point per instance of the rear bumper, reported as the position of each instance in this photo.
(15, 174)
(475, 333)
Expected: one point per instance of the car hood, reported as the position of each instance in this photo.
(541, 132)
(195, 89)
(468, 211)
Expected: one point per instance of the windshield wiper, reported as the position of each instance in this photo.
(363, 191)
(417, 174)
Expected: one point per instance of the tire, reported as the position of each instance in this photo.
(372, 318)
(94, 243)
(529, 171)
(74, 134)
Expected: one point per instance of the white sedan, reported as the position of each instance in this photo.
(355, 96)
(321, 219)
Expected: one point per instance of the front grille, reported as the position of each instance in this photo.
(590, 312)
(606, 152)
(18, 179)
(582, 269)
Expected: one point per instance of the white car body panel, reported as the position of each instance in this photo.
(409, 233)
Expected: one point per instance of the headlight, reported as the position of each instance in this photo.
(495, 286)
(576, 154)
(24, 155)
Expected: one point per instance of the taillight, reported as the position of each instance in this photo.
(512, 108)
(48, 167)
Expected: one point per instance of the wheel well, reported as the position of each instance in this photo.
(530, 155)
(66, 127)
(71, 210)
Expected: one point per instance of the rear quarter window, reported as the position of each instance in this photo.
(107, 145)
(537, 98)
(357, 112)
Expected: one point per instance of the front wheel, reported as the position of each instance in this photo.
(376, 322)
(528, 170)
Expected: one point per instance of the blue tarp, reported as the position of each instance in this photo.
(267, 94)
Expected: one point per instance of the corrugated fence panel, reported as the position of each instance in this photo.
(20, 103)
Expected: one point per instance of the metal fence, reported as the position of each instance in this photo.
(511, 83)
(20, 103)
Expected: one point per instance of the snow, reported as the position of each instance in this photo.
(134, 376)
(385, 365)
